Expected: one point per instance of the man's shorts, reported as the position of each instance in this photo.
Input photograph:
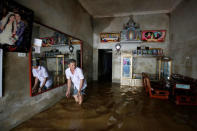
(75, 91)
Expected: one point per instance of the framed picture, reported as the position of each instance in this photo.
(109, 37)
(153, 35)
(15, 27)
(131, 35)
(47, 41)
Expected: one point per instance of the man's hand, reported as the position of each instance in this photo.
(39, 90)
(67, 94)
(34, 90)
(79, 93)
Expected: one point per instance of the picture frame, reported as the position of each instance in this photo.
(131, 35)
(16, 23)
(47, 41)
(109, 37)
(153, 35)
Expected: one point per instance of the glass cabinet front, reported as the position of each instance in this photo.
(126, 67)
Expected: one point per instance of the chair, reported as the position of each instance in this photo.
(155, 90)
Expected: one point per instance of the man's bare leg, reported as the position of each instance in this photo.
(76, 98)
(80, 99)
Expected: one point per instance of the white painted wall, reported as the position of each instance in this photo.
(146, 22)
(183, 38)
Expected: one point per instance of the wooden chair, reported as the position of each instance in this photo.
(144, 76)
(154, 91)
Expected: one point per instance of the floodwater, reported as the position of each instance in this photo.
(111, 107)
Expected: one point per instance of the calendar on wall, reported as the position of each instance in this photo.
(1, 71)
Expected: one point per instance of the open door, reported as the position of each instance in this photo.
(105, 65)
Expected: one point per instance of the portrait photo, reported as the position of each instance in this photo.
(16, 23)
(153, 35)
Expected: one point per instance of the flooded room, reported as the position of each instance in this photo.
(92, 65)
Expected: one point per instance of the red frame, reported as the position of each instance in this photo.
(150, 35)
(30, 58)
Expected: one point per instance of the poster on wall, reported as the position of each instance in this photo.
(109, 37)
(16, 23)
(153, 35)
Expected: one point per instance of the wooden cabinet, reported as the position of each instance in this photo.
(164, 67)
(127, 77)
(133, 77)
(126, 69)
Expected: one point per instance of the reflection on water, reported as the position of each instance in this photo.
(114, 107)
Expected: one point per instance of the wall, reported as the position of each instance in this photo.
(16, 105)
(183, 38)
(146, 22)
(69, 17)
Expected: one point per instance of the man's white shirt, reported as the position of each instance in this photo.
(76, 77)
(41, 73)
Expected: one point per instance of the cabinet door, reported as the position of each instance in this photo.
(126, 69)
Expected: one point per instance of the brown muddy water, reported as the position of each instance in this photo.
(111, 107)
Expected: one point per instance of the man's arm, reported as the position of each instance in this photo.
(35, 84)
(80, 86)
(44, 82)
(68, 87)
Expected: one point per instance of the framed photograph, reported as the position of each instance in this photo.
(153, 35)
(109, 37)
(47, 41)
(15, 27)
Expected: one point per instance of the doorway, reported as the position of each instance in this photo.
(105, 65)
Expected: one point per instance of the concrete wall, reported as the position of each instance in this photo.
(69, 17)
(146, 22)
(16, 105)
(183, 38)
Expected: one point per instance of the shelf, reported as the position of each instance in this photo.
(56, 45)
(133, 41)
(57, 56)
(143, 56)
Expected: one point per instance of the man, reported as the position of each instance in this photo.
(75, 75)
(41, 75)
(20, 29)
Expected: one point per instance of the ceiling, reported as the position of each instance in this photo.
(117, 8)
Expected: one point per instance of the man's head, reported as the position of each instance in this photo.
(35, 63)
(17, 16)
(72, 64)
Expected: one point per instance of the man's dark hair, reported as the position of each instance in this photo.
(72, 61)
(35, 62)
